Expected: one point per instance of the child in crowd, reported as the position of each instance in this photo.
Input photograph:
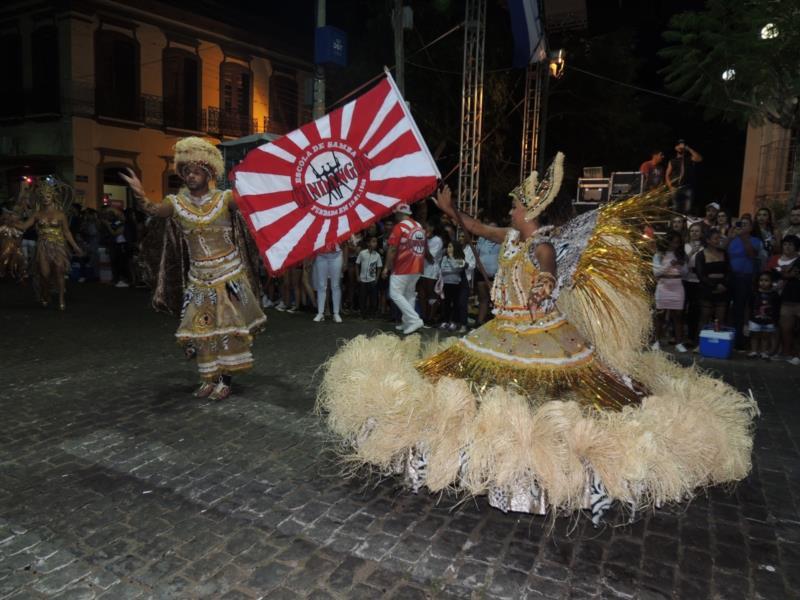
(369, 263)
(764, 311)
(453, 269)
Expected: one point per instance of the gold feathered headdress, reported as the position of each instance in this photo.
(536, 195)
(195, 151)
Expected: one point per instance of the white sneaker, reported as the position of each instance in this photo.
(462, 329)
(794, 361)
(337, 318)
(412, 328)
(121, 284)
(319, 318)
(681, 348)
(752, 354)
(655, 345)
(400, 327)
(765, 355)
(266, 302)
(443, 326)
(280, 306)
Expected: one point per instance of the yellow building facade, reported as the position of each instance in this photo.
(768, 167)
(108, 85)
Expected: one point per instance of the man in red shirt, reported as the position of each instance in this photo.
(405, 260)
(653, 171)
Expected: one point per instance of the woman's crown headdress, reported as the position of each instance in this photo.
(537, 195)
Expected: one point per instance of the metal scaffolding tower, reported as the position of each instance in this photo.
(471, 106)
(536, 82)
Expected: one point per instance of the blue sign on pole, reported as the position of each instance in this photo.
(330, 46)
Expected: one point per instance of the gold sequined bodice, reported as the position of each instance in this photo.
(207, 229)
(515, 273)
(50, 231)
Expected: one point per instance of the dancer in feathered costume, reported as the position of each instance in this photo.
(552, 405)
(206, 256)
(12, 259)
(51, 262)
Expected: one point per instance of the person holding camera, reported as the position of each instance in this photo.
(681, 175)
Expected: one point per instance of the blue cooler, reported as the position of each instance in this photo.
(717, 344)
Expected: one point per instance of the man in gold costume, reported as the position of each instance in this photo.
(220, 313)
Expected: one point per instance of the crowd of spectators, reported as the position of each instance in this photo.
(432, 269)
(711, 272)
(714, 272)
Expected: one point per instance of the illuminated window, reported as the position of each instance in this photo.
(181, 78)
(283, 102)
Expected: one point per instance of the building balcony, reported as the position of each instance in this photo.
(82, 100)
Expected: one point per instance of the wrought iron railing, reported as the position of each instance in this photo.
(80, 99)
(229, 123)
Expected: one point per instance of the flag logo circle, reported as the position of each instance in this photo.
(332, 176)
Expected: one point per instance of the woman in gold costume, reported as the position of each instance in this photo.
(12, 259)
(553, 405)
(220, 314)
(51, 261)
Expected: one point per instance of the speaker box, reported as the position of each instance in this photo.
(593, 190)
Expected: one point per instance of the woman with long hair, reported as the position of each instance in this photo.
(678, 224)
(453, 268)
(764, 229)
(670, 264)
(691, 283)
(713, 270)
(51, 261)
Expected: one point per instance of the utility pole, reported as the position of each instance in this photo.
(318, 110)
(399, 58)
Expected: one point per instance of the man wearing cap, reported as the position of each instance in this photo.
(681, 176)
(710, 220)
(405, 261)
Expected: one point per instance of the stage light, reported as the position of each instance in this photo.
(769, 32)
(557, 63)
(728, 75)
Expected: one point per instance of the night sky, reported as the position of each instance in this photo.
(722, 144)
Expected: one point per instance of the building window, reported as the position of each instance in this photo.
(12, 101)
(116, 75)
(790, 161)
(181, 75)
(234, 101)
(44, 61)
(283, 102)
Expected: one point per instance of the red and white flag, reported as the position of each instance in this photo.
(320, 184)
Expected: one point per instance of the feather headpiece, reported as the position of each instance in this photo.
(195, 151)
(536, 195)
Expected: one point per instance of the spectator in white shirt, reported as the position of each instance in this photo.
(428, 299)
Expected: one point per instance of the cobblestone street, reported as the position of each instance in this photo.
(116, 483)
